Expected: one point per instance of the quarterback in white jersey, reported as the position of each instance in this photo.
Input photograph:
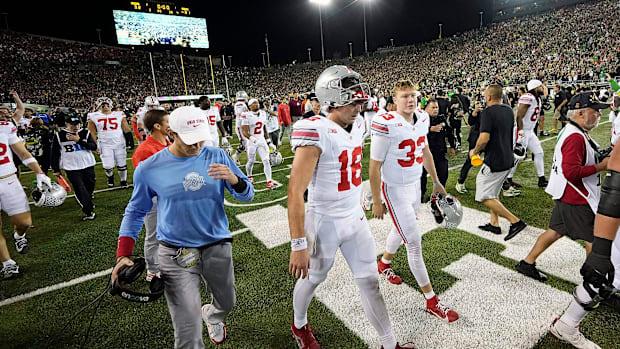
(13, 199)
(398, 151)
(328, 161)
(254, 129)
(215, 121)
(528, 111)
(110, 131)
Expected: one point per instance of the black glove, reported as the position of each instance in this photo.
(598, 270)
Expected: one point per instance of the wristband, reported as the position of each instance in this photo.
(299, 244)
(436, 183)
(30, 160)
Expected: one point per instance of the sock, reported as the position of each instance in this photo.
(122, 172)
(539, 163)
(375, 309)
(302, 295)
(429, 295)
(393, 241)
(388, 341)
(416, 263)
(9, 262)
(386, 261)
(575, 312)
(267, 169)
(17, 236)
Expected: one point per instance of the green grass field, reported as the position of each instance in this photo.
(62, 248)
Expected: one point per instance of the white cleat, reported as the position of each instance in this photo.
(571, 335)
(460, 188)
(217, 331)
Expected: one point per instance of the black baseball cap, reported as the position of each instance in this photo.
(586, 100)
(389, 100)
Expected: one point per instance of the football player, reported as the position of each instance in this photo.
(215, 121)
(150, 103)
(110, 131)
(254, 129)
(13, 199)
(328, 161)
(528, 111)
(398, 151)
(240, 108)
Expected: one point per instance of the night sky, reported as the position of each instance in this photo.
(238, 28)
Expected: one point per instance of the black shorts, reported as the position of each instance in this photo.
(574, 221)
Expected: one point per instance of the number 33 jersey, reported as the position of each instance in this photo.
(399, 144)
(109, 130)
(336, 182)
(8, 137)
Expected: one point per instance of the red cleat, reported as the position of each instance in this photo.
(390, 275)
(271, 185)
(251, 180)
(440, 310)
(304, 337)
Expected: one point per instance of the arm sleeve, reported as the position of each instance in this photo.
(305, 133)
(88, 143)
(573, 152)
(248, 193)
(55, 153)
(139, 205)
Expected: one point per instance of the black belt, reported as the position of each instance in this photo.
(219, 242)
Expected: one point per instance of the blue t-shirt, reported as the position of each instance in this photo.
(190, 204)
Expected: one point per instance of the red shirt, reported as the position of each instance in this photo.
(284, 114)
(573, 158)
(146, 149)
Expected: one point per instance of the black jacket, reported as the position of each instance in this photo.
(437, 140)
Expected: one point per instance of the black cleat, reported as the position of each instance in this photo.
(530, 270)
(542, 182)
(490, 228)
(124, 185)
(515, 229)
(89, 217)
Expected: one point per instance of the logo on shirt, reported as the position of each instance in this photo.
(193, 181)
(331, 130)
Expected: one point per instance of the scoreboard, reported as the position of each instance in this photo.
(160, 7)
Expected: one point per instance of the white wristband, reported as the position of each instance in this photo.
(29, 161)
(299, 244)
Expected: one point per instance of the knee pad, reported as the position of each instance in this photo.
(609, 205)
(319, 269)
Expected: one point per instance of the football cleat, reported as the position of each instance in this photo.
(10, 271)
(111, 181)
(390, 275)
(571, 335)
(367, 201)
(124, 185)
(542, 182)
(271, 185)
(89, 217)
(150, 276)
(512, 192)
(439, 310)
(553, 130)
(544, 133)
(21, 244)
(460, 188)
(305, 337)
(235, 158)
(530, 270)
(217, 331)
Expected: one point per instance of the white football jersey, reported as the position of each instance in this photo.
(533, 112)
(109, 129)
(240, 108)
(403, 159)
(8, 137)
(213, 115)
(256, 122)
(336, 181)
(142, 111)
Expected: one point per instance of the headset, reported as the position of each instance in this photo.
(127, 275)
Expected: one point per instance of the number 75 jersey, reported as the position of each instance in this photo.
(336, 182)
(109, 128)
(399, 144)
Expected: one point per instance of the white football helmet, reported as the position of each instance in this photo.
(447, 210)
(151, 102)
(275, 158)
(339, 85)
(49, 196)
(103, 100)
(242, 96)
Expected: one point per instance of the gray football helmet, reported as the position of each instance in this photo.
(339, 85)
(275, 158)
(447, 210)
(242, 96)
(49, 196)
(102, 100)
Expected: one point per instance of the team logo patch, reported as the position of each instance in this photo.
(331, 130)
(193, 181)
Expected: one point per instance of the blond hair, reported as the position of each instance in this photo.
(404, 84)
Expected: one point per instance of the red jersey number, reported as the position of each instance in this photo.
(355, 166)
(113, 123)
(212, 120)
(411, 158)
(535, 115)
(4, 157)
(259, 128)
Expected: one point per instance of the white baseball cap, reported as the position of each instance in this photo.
(253, 100)
(190, 124)
(532, 84)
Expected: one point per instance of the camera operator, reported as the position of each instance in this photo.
(459, 106)
(560, 102)
(438, 132)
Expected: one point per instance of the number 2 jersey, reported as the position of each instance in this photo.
(8, 137)
(336, 182)
(533, 112)
(256, 122)
(70, 155)
(109, 129)
(399, 144)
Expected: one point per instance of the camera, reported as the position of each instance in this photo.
(602, 154)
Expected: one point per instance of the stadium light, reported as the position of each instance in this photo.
(321, 3)
(481, 13)
(365, 36)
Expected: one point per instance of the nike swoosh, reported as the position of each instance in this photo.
(362, 218)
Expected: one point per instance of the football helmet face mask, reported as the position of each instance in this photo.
(151, 102)
(519, 153)
(103, 100)
(447, 210)
(242, 96)
(275, 158)
(49, 196)
(339, 85)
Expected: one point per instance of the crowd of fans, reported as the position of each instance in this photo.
(570, 44)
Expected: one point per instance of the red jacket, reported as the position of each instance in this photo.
(284, 114)
(146, 149)
(573, 152)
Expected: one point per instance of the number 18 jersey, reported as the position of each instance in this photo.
(336, 182)
(399, 144)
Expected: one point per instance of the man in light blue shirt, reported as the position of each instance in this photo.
(189, 181)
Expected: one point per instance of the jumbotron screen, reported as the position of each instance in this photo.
(140, 28)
